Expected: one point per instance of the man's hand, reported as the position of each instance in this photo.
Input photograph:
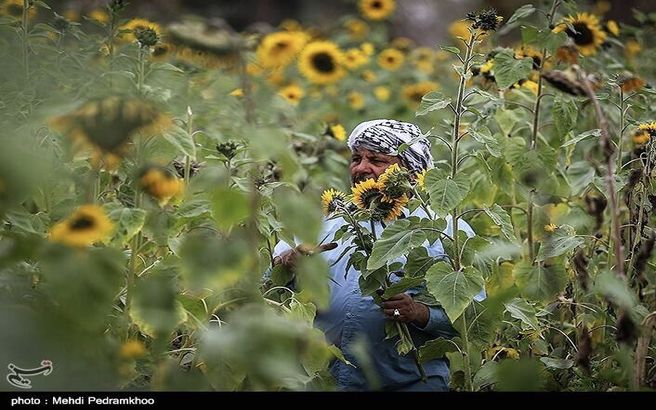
(409, 310)
(288, 258)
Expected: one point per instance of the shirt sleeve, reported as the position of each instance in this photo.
(438, 324)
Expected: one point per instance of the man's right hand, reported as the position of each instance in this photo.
(288, 258)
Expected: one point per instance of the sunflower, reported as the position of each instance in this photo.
(368, 49)
(388, 211)
(390, 59)
(135, 25)
(366, 192)
(355, 100)
(107, 124)
(279, 49)
(640, 137)
(587, 32)
(382, 93)
(321, 62)
(377, 9)
(629, 83)
(331, 200)
(568, 54)
(460, 28)
(161, 184)
(292, 93)
(402, 43)
(99, 15)
(369, 76)
(632, 48)
(356, 29)
(88, 224)
(424, 59)
(530, 85)
(132, 349)
(354, 58)
(162, 52)
(337, 131)
(415, 92)
(395, 183)
(528, 51)
(14, 8)
(550, 228)
(420, 179)
(613, 28)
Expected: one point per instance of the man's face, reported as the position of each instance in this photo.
(367, 164)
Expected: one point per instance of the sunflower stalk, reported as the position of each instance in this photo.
(190, 133)
(25, 38)
(641, 209)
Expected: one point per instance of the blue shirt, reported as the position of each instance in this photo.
(353, 321)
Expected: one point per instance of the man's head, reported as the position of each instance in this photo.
(375, 144)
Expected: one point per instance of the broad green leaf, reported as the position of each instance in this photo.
(339, 355)
(453, 290)
(299, 213)
(418, 262)
(182, 141)
(193, 208)
(27, 222)
(557, 363)
(432, 101)
(540, 282)
(581, 174)
(507, 119)
(564, 112)
(493, 143)
(156, 310)
(563, 240)
(229, 207)
(508, 70)
(445, 192)
(612, 287)
(524, 11)
(486, 375)
(401, 286)
(312, 279)
(501, 218)
(396, 240)
(128, 221)
(522, 310)
(453, 50)
(581, 137)
(435, 349)
(302, 311)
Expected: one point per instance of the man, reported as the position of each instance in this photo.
(355, 323)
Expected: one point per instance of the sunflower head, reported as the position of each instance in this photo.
(629, 83)
(528, 51)
(413, 93)
(279, 49)
(391, 59)
(356, 29)
(132, 349)
(160, 183)
(99, 15)
(354, 58)
(331, 200)
(367, 194)
(377, 9)
(395, 182)
(645, 132)
(321, 62)
(382, 93)
(336, 131)
(87, 225)
(356, 100)
(130, 29)
(228, 149)
(487, 20)
(292, 94)
(586, 32)
(147, 37)
(14, 8)
(568, 54)
(613, 28)
(388, 211)
(420, 179)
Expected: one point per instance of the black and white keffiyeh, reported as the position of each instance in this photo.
(386, 136)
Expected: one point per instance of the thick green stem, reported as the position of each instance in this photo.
(190, 132)
(466, 357)
(141, 69)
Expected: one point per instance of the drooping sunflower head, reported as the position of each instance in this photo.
(568, 54)
(336, 131)
(321, 62)
(87, 225)
(279, 49)
(130, 29)
(109, 123)
(395, 182)
(146, 37)
(413, 93)
(391, 59)
(292, 93)
(367, 193)
(528, 51)
(377, 9)
(487, 20)
(629, 82)
(388, 211)
(585, 30)
(331, 200)
(14, 8)
(160, 183)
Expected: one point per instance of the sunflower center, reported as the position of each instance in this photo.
(323, 62)
(582, 34)
(391, 59)
(281, 45)
(15, 10)
(82, 223)
(377, 5)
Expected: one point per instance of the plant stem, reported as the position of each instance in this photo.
(141, 69)
(638, 233)
(619, 140)
(190, 132)
(466, 362)
(24, 38)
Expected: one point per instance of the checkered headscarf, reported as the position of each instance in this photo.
(386, 136)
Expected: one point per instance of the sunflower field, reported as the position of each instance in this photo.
(149, 170)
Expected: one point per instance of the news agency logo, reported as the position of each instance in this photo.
(17, 377)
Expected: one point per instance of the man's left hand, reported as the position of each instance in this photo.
(409, 310)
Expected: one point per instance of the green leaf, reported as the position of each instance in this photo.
(557, 363)
(445, 192)
(435, 349)
(339, 355)
(494, 144)
(581, 174)
(563, 240)
(524, 11)
(486, 375)
(501, 218)
(128, 222)
(401, 286)
(540, 282)
(612, 287)
(299, 213)
(302, 311)
(453, 290)
(312, 279)
(450, 49)
(396, 240)
(507, 119)
(432, 101)
(418, 262)
(229, 206)
(522, 310)
(581, 137)
(564, 112)
(508, 70)
(194, 208)
(156, 310)
(179, 138)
